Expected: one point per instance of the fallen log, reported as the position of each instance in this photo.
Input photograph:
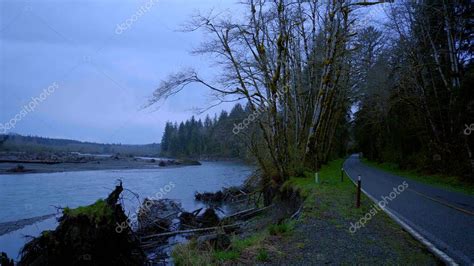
(156, 216)
(191, 231)
(237, 214)
(253, 213)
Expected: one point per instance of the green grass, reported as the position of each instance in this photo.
(97, 212)
(451, 183)
(189, 254)
(333, 194)
(227, 255)
(240, 244)
(262, 255)
(281, 229)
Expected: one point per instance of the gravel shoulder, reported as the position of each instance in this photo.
(323, 234)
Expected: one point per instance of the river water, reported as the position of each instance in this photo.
(31, 195)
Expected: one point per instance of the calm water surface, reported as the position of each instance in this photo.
(31, 195)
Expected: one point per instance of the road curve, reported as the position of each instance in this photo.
(444, 218)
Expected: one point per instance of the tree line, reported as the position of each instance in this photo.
(35, 144)
(211, 138)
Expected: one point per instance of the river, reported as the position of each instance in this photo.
(31, 195)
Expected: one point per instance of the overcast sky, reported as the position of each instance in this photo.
(103, 73)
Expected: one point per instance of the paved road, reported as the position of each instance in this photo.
(444, 218)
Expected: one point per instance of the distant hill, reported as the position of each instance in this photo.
(14, 142)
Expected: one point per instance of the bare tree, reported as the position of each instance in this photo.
(288, 57)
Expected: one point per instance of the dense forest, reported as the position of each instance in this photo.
(211, 138)
(330, 83)
(416, 94)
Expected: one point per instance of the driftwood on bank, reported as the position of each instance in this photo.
(193, 220)
(202, 222)
(241, 215)
(246, 214)
(156, 216)
(231, 194)
(167, 234)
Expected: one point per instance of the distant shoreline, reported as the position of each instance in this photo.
(7, 168)
(40, 168)
(35, 168)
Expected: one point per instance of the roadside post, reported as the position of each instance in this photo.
(359, 184)
(342, 174)
(316, 178)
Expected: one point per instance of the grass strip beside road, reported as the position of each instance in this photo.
(322, 234)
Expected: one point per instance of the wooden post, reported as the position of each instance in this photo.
(359, 185)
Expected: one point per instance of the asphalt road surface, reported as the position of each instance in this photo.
(444, 218)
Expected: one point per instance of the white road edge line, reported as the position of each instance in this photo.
(440, 254)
